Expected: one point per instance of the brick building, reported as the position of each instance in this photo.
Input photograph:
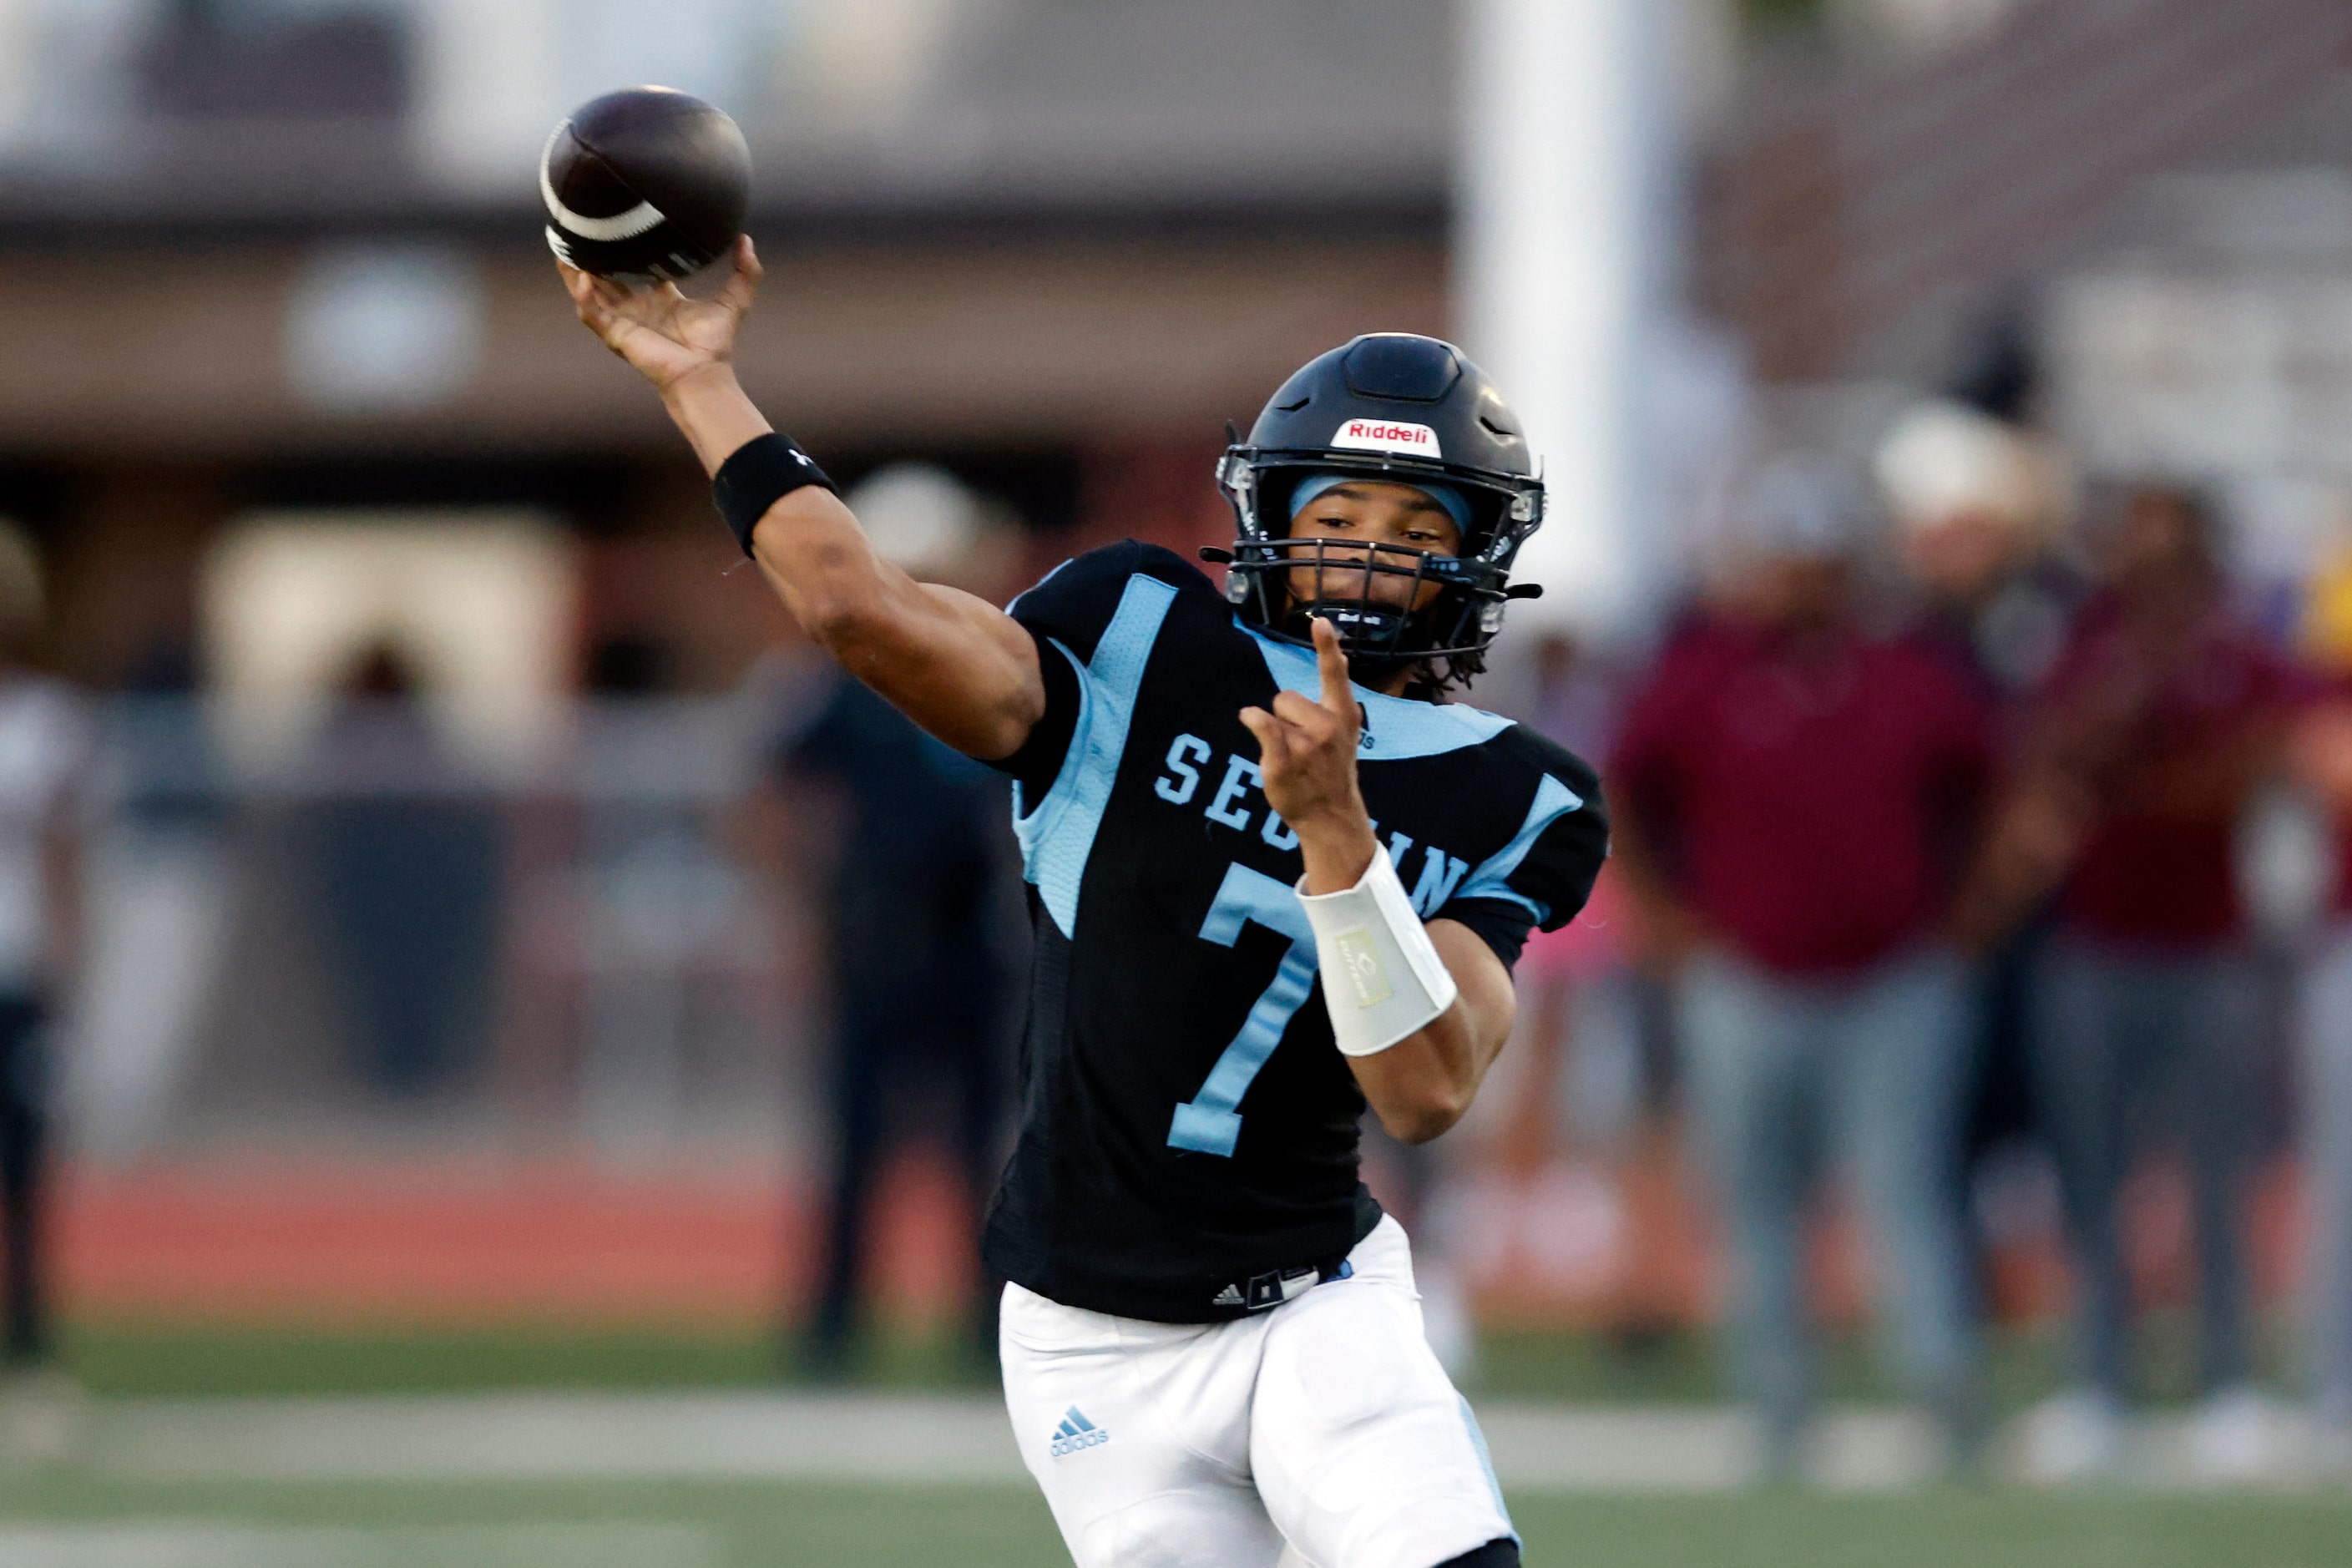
(2157, 186)
(292, 265)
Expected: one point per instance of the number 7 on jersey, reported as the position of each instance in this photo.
(1211, 1122)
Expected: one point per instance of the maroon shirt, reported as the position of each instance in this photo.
(2151, 873)
(2317, 692)
(1812, 809)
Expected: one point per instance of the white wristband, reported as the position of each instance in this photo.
(1382, 979)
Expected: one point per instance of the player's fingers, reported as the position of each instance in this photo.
(735, 295)
(601, 312)
(593, 314)
(1333, 663)
(579, 285)
(742, 282)
(1315, 725)
(1273, 745)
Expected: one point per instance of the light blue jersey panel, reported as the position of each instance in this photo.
(1060, 835)
(1395, 728)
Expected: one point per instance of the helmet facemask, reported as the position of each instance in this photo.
(1280, 582)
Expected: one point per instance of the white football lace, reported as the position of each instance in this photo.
(637, 220)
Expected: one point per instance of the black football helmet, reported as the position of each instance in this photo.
(1408, 409)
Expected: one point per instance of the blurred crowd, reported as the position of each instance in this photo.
(1936, 816)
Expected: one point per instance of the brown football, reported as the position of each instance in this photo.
(645, 182)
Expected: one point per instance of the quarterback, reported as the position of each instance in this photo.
(1275, 878)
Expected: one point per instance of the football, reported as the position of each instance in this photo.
(644, 184)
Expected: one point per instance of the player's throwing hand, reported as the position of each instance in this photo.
(662, 334)
(1308, 750)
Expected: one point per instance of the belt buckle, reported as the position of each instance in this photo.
(1271, 1290)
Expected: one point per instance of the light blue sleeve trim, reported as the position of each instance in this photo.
(1032, 825)
(1553, 801)
(1058, 835)
(1397, 728)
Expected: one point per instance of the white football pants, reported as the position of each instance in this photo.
(1326, 1422)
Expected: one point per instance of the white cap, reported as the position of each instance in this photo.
(920, 518)
(1943, 459)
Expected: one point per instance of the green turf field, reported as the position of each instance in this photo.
(769, 1526)
(68, 1518)
(162, 1360)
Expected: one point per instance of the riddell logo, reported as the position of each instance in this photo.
(1388, 436)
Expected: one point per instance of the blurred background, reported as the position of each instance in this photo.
(426, 963)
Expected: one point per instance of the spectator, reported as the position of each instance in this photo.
(2324, 762)
(406, 849)
(1593, 1086)
(1792, 794)
(1562, 973)
(162, 886)
(2161, 718)
(1975, 500)
(916, 944)
(44, 755)
(1572, 698)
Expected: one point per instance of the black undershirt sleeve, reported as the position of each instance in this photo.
(1501, 924)
(1553, 877)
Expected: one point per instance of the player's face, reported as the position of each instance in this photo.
(1353, 519)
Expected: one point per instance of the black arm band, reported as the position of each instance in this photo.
(756, 476)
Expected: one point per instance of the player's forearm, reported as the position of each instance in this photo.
(960, 670)
(821, 564)
(808, 544)
(956, 665)
(1420, 1086)
(1425, 1084)
(714, 412)
(1337, 848)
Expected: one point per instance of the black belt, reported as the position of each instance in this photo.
(1271, 1290)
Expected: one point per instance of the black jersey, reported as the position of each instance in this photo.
(1189, 1129)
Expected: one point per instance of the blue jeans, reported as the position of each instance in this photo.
(2327, 1039)
(1868, 1073)
(2118, 1027)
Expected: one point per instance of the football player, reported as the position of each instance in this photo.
(1274, 877)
